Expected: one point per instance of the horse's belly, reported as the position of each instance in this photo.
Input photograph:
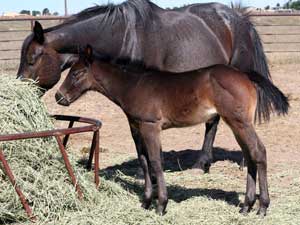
(190, 118)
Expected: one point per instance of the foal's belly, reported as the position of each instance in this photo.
(186, 117)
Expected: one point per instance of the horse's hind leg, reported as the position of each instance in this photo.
(255, 154)
(205, 156)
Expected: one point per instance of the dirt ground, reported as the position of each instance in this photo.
(280, 136)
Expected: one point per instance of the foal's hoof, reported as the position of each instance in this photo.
(262, 211)
(160, 210)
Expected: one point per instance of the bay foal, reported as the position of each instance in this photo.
(154, 101)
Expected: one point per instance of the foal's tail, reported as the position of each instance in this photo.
(269, 98)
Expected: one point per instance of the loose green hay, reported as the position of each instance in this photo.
(41, 174)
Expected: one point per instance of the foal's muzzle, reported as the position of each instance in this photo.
(60, 99)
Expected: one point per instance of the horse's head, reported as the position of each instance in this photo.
(40, 61)
(79, 79)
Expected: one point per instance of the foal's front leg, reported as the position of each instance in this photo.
(150, 133)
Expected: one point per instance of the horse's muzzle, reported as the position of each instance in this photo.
(60, 99)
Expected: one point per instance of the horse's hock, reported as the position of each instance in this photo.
(15, 127)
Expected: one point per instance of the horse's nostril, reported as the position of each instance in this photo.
(60, 99)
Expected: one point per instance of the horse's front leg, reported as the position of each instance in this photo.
(140, 147)
(151, 136)
(205, 156)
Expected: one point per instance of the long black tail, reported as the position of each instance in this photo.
(260, 63)
(269, 98)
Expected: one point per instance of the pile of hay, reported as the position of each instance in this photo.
(36, 163)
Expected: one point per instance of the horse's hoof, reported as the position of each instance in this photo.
(203, 166)
(245, 210)
(262, 211)
(146, 204)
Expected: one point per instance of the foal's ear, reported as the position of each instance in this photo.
(38, 32)
(88, 53)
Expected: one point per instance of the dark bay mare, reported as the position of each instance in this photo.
(154, 101)
(185, 39)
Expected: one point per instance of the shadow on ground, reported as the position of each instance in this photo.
(176, 161)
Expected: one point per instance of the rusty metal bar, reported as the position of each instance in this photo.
(69, 167)
(11, 177)
(94, 127)
(97, 153)
(95, 150)
(66, 138)
(92, 150)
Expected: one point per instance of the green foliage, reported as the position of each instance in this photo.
(46, 12)
(295, 5)
(36, 13)
(26, 12)
(292, 5)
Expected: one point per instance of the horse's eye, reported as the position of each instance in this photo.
(76, 74)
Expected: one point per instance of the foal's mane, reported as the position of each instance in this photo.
(131, 11)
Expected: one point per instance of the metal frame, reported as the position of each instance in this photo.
(94, 126)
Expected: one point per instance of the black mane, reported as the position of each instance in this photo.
(124, 63)
(139, 8)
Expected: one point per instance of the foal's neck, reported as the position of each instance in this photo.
(113, 81)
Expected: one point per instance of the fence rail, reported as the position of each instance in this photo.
(266, 31)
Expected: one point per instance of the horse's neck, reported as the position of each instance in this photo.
(73, 37)
(112, 81)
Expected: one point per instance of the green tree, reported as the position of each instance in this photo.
(25, 12)
(267, 7)
(55, 14)
(46, 12)
(36, 13)
(295, 5)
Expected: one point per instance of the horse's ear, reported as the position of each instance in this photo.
(88, 53)
(38, 32)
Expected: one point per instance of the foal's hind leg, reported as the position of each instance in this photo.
(255, 154)
(205, 156)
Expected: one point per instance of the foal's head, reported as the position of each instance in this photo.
(79, 80)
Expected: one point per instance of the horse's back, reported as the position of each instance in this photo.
(195, 36)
